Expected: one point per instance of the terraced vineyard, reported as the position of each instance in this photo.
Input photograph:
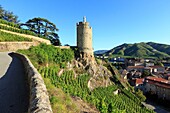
(4, 37)
(103, 97)
(4, 25)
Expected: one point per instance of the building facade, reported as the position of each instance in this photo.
(157, 86)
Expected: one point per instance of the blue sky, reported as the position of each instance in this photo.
(114, 22)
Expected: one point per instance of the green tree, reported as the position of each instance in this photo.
(1, 12)
(140, 95)
(145, 73)
(8, 15)
(44, 27)
(158, 63)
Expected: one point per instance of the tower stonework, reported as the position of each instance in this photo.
(84, 39)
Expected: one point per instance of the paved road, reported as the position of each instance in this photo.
(13, 86)
(155, 107)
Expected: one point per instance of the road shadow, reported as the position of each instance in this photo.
(158, 107)
(14, 90)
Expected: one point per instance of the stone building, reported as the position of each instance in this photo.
(84, 39)
(157, 86)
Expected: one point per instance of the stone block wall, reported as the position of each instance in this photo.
(39, 99)
(14, 46)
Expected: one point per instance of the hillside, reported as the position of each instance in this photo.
(142, 49)
(160, 47)
(70, 85)
(58, 68)
(100, 52)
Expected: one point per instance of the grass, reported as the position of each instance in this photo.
(60, 102)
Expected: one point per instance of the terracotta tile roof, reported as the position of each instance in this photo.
(163, 85)
(139, 81)
(158, 82)
(156, 79)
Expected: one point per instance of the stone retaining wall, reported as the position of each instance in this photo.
(39, 99)
(14, 46)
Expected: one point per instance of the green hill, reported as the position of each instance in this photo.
(142, 49)
(160, 47)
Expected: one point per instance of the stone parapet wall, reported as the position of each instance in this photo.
(39, 99)
(14, 46)
(63, 47)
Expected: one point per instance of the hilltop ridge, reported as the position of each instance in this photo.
(143, 49)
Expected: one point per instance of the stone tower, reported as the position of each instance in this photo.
(84, 39)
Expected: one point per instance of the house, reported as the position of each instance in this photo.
(138, 63)
(155, 69)
(157, 86)
(147, 64)
(136, 68)
(130, 61)
(149, 60)
(137, 83)
(137, 74)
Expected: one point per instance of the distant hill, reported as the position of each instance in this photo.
(142, 49)
(100, 52)
(160, 47)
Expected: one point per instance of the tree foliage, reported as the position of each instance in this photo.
(45, 28)
(140, 95)
(146, 73)
(8, 15)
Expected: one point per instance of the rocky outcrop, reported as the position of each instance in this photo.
(100, 75)
(39, 99)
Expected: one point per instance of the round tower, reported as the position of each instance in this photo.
(84, 39)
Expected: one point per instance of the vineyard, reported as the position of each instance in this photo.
(11, 37)
(103, 97)
(15, 28)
